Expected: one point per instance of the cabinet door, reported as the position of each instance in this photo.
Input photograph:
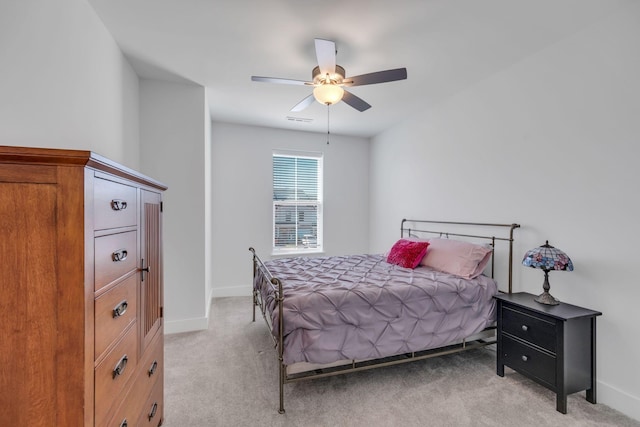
(151, 295)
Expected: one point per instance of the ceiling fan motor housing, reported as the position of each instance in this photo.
(336, 78)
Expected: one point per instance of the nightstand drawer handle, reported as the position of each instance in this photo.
(525, 328)
(525, 358)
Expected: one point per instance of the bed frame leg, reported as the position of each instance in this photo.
(254, 302)
(282, 370)
(254, 305)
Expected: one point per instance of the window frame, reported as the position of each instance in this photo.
(318, 203)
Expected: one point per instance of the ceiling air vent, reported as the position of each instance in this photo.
(299, 119)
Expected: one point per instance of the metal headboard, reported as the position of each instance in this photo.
(459, 232)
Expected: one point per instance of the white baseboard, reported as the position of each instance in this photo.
(618, 400)
(202, 323)
(186, 325)
(190, 325)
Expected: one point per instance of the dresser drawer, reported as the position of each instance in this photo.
(529, 328)
(527, 359)
(115, 255)
(114, 311)
(153, 408)
(152, 364)
(127, 414)
(113, 374)
(136, 405)
(150, 372)
(114, 204)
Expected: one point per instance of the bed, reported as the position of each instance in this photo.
(432, 294)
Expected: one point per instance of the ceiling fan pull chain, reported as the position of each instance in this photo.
(328, 133)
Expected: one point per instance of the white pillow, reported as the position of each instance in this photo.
(457, 257)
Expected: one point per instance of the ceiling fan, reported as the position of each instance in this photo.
(329, 80)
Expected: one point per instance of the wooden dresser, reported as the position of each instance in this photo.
(81, 291)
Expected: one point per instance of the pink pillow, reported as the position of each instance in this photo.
(406, 253)
(456, 257)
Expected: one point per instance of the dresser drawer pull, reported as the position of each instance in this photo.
(525, 358)
(120, 366)
(120, 309)
(525, 328)
(153, 367)
(124, 423)
(119, 255)
(154, 409)
(118, 205)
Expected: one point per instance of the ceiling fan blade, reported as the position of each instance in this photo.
(278, 80)
(303, 104)
(377, 77)
(357, 103)
(326, 54)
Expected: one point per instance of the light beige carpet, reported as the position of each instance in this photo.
(227, 376)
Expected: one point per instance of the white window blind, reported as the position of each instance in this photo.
(297, 202)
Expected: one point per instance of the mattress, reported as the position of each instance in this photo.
(360, 307)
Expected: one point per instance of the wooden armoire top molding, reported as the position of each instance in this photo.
(63, 157)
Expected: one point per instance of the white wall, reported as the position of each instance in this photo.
(173, 146)
(550, 143)
(242, 197)
(64, 82)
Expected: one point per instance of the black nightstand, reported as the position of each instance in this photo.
(554, 345)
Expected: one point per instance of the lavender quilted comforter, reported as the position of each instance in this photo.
(360, 307)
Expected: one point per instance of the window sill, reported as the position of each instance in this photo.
(294, 252)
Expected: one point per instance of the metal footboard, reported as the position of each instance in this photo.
(276, 285)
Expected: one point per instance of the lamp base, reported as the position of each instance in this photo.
(546, 298)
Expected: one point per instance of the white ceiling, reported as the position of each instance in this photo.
(446, 46)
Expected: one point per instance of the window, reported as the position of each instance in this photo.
(297, 202)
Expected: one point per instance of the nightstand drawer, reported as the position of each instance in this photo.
(534, 362)
(529, 328)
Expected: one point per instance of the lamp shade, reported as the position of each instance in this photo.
(548, 258)
(328, 93)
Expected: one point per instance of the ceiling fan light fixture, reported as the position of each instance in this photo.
(328, 94)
